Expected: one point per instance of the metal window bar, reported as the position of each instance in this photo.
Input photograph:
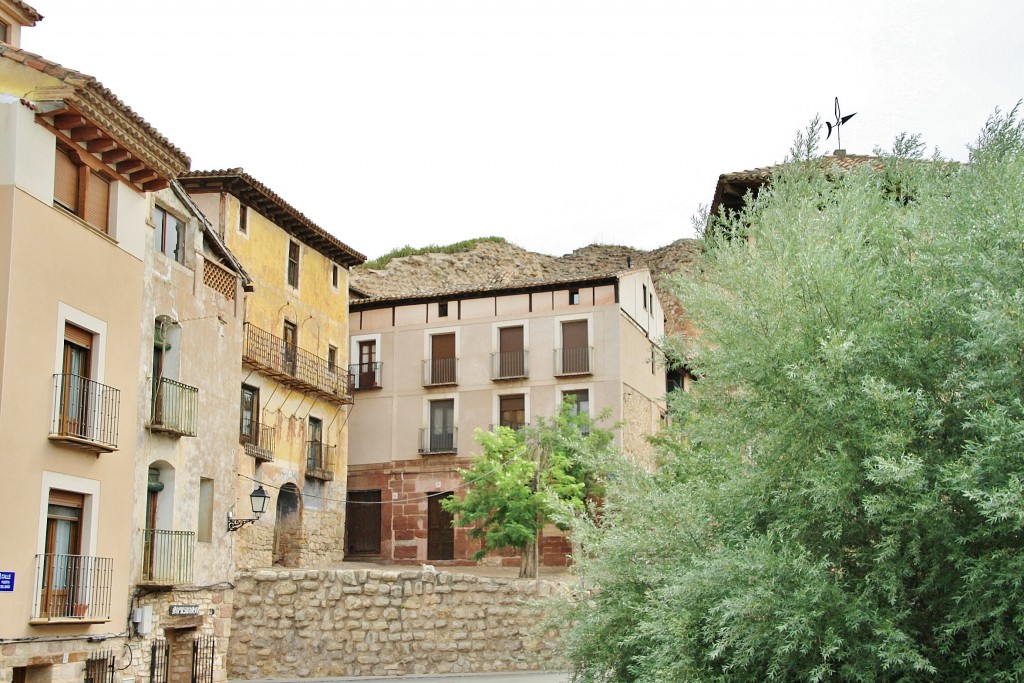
(438, 371)
(159, 658)
(167, 556)
(510, 364)
(319, 460)
(258, 439)
(366, 375)
(85, 409)
(574, 360)
(175, 407)
(439, 442)
(100, 667)
(289, 363)
(203, 649)
(72, 587)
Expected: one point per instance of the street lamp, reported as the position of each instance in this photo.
(259, 500)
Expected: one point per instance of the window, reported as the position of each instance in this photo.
(645, 296)
(3, 32)
(575, 352)
(315, 445)
(581, 401)
(293, 263)
(512, 411)
(75, 385)
(332, 359)
(204, 532)
(169, 236)
(442, 426)
(243, 218)
(334, 275)
(61, 571)
(441, 367)
(442, 309)
(80, 190)
(289, 350)
(511, 357)
(574, 297)
(249, 428)
(366, 371)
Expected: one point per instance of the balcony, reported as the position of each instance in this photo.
(320, 461)
(365, 375)
(295, 367)
(257, 439)
(510, 365)
(84, 414)
(440, 372)
(574, 361)
(72, 587)
(439, 442)
(167, 557)
(174, 408)
(515, 427)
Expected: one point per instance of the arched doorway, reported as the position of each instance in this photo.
(288, 527)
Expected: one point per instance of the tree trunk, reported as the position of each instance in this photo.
(529, 564)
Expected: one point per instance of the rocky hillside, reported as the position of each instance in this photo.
(496, 263)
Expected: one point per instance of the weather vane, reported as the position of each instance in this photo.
(840, 120)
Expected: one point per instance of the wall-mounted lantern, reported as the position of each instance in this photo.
(259, 499)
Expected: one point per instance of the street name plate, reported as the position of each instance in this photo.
(6, 582)
(184, 610)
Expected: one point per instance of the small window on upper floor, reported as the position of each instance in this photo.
(169, 237)
(574, 297)
(335, 275)
(4, 32)
(293, 263)
(243, 218)
(81, 190)
(332, 359)
(645, 296)
(442, 309)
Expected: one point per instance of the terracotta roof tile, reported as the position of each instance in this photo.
(29, 11)
(260, 197)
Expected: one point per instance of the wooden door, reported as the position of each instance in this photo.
(511, 357)
(367, 364)
(289, 352)
(440, 532)
(61, 572)
(362, 523)
(442, 359)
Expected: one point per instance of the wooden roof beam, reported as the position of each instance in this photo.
(86, 133)
(69, 121)
(143, 176)
(101, 145)
(116, 155)
(131, 166)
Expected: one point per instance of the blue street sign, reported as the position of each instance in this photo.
(6, 582)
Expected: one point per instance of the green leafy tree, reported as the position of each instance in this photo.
(524, 480)
(843, 496)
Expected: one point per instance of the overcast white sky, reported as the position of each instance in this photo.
(552, 123)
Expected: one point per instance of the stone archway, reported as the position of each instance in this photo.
(288, 527)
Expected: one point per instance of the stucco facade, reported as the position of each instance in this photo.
(446, 364)
(296, 393)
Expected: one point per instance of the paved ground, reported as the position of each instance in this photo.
(450, 678)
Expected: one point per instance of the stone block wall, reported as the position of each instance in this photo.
(321, 623)
(641, 417)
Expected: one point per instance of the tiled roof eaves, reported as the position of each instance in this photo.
(517, 287)
(97, 101)
(29, 11)
(263, 199)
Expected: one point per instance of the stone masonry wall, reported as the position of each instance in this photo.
(321, 623)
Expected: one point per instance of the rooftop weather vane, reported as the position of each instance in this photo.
(840, 120)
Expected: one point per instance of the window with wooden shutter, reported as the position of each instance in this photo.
(65, 181)
(97, 199)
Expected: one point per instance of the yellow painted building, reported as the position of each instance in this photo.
(295, 388)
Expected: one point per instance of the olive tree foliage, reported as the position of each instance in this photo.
(524, 479)
(842, 497)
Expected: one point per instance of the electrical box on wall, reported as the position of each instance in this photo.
(142, 617)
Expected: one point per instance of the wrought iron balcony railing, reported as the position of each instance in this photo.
(440, 371)
(365, 375)
(295, 367)
(574, 360)
(516, 427)
(320, 460)
(439, 442)
(72, 587)
(174, 408)
(258, 440)
(84, 413)
(167, 556)
(510, 365)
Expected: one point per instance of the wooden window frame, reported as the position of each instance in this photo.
(93, 178)
(178, 254)
(292, 274)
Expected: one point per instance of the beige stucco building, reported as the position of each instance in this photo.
(430, 369)
(296, 393)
